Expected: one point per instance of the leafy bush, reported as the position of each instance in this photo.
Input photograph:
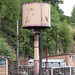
(5, 50)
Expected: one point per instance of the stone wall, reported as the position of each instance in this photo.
(28, 70)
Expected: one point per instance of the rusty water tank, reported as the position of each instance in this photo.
(36, 15)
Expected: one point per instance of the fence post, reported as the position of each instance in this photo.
(51, 71)
(64, 70)
(70, 70)
(58, 71)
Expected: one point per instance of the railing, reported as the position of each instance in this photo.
(61, 71)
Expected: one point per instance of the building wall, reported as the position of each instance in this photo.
(7, 66)
(68, 58)
(4, 66)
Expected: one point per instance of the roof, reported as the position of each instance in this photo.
(49, 60)
(60, 55)
(53, 60)
(66, 54)
(31, 60)
(4, 56)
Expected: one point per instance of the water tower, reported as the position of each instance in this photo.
(36, 16)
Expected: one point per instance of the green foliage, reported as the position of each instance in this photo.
(65, 36)
(72, 27)
(5, 50)
(73, 13)
(54, 14)
(54, 2)
(28, 1)
(63, 17)
(3, 10)
(26, 42)
(49, 35)
(72, 24)
(11, 11)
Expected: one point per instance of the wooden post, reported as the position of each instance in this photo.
(36, 54)
(17, 54)
(51, 70)
(70, 70)
(46, 70)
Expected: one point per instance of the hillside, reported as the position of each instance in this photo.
(11, 11)
(72, 47)
(5, 49)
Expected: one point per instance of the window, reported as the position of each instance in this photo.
(2, 61)
(3, 67)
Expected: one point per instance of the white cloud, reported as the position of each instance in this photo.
(67, 7)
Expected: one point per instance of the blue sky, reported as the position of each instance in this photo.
(67, 7)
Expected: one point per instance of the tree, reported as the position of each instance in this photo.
(10, 11)
(73, 14)
(6, 50)
(26, 37)
(67, 18)
(49, 35)
(64, 36)
(54, 2)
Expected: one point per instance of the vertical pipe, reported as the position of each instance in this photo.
(36, 54)
(40, 66)
(17, 54)
(46, 56)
